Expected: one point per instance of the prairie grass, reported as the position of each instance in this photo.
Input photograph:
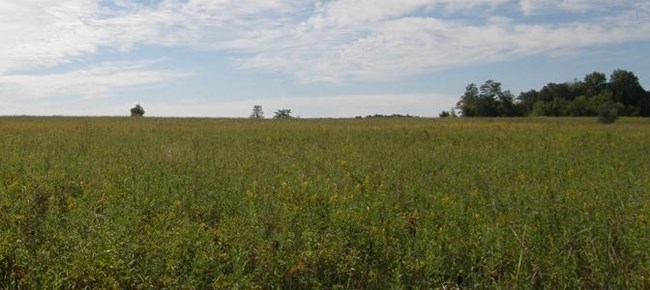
(371, 203)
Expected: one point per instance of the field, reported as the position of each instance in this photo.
(368, 203)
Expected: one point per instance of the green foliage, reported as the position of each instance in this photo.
(577, 98)
(448, 114)
(399, 203)
(487, 101)
(257, 112)
(283, 114)
(595, 83)
(609, 113)
(390, 116)
(137, 111)
(626, 90)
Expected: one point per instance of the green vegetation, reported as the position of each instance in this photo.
(593, 96)
(257, 113)
(365, 203)
(283, 114)
(137, 111)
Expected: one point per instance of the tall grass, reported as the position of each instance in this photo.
(399, 203)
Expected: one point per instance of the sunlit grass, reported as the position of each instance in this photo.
(209, 203)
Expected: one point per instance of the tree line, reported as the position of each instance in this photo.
(595, 95)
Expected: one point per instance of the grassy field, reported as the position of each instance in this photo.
(371, 203)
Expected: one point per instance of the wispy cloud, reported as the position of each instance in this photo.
(531, 7)
(96, 81)
(378, 40)
(316, 41)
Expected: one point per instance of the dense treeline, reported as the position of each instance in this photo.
(588, 97)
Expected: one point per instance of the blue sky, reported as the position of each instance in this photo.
(336, 58)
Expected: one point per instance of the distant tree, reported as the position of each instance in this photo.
(608, 113)
(453, 113)
(391, 116)
(468, 103)
(257, 112)
(448, 114)
(488, 100)
(585, 97)
(137, 111)
(526, 101)
(644, 104)
(580, 106)
(283, 114)
(595, 83)
(627, 90)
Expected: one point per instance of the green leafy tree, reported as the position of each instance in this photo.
(627, 90)
(595, 83)
(257, 112)
(283, 114)
(137, 111)
(585, 97)
(468, 103)
(488, 100)
(526, 101)
(580, 106)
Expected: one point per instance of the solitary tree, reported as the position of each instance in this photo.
(257, 112)
(137, 111)
(283, 114)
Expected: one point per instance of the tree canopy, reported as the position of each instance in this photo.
(257, 112)
(283, 114)
(488, 100)
(585, 97)
(137, 111)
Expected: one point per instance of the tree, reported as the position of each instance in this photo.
(526, 101)
(594, 95)
(257, 112)
(137, 111)
(595, 83)
(627, 90)
(489, 100)
(283, 114)
(468, 103)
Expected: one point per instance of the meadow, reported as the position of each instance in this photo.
(325, 204)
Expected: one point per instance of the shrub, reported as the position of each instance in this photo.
(609, 112)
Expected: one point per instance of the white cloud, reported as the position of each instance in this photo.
(531, 7)
(332, 41)
(96, 81)
(388, 39)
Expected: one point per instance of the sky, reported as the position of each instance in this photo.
(336, 58)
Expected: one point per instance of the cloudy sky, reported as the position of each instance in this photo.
(336, 58)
